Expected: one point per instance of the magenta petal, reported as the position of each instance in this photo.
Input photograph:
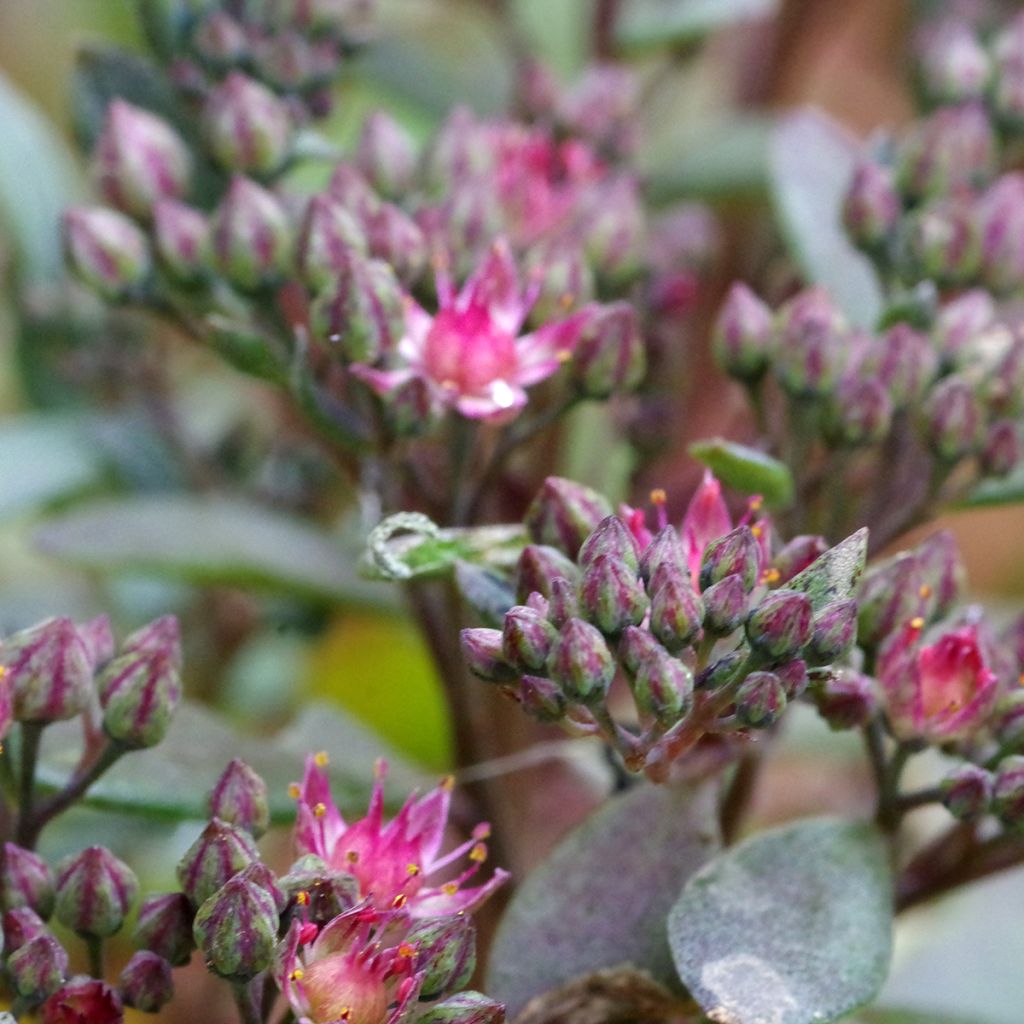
(441, 904)
(382, 381)
(494, 286)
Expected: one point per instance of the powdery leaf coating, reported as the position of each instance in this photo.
(833, 575)
(600, 899)
(793, 926)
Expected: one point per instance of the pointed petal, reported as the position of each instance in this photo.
(499, 403)
(543, 351)
(438, 903)
(382, 381)
(494, 286)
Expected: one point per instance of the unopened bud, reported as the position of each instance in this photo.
(26, 881)
(527, 637)
(220, 40)
(321, 893)
(811, 346)
(236, 930)
(181, 237)
(744, 334)
(39, 967)
(95, 891)
(960, 321)
(564, 514)
(251, 236)
(677, 611)
(872, 207)
(721, 672)
(781, 624)
(954, 64)
(538, 566)
(395, 238)
(541, 699)
(760, 700)
(967, 792)
(610, 594)
(164, 927)
(953, 419)
(1000, 216)
(833, 634)
(941, 242)
(139, 158)
(609, 356)
(329, 239)
(220, 852)
(386, 155)
(942, 572)
(21, 925)
(83, 1000)
(611, 538)
(239, 797)
(613, 232)
(248, 128)
(793, 677)
(581, 663)
(445, 953)
(796, 556)
(565, 281)
(890, 595)
(860, 412)
(48, 671)
(735, 553)
(482, 649)
(662, 687)
(146, 983)
(845, 699)
(1008, 791)
(725, 605)
(107, 251)
(262, 875)
(666, 549)
(905, 362)
(1002, 450)
(464, 1008)
(290, 62)
(634, 646)
(563, 603)
(139, 693)
(161, 636)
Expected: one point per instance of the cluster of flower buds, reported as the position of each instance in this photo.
(949, 389)
(933, 204)
(711, 627)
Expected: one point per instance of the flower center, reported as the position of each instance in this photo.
(340, 989)
(951, 672)
(466, 351)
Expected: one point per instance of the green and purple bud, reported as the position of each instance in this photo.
(953, 419)
(581, 663)
(666, 549)
(252, 236)
(794, 678)
(1001, 453)
(181, 238)
(961, 321)
(95, 891)
(262, 875)
(891, 594)
(1000, 216)
(220, 40)
(611, 538)
(760, 700)
(445, 953)
(220, 852)
(905, 362)
(239, 797)
(288, 61)
(526, 639)
(464, 1008)
(139, 693)
(781, 624)
(941, 242)
(48, 671)
(1008, 723)
(21, 925)
(613, 231)
(635, 645)
(146, 983)
(811, 347)
(249, 130)
(397, 239)
(564, 278)
(98, 638)
(386, 155)
(563, 604)
(106, 251)
(26, 881)
(483, 651)
(610, 356)
(563, 514)
(721, 672)
(737, 553)
(38, 968)
(322, 893)
(860, 412)
(677, 611)
(833, 633)
(330, 239)
(161, 636)
(744, 334)
(610, 594)
(662, 688)
(139, 159)
(541, 699)
(236, 930)
(872, 208)
(1008, 792)
(725, 605)
(967, 792)
(942, 572)
(164, 927)
(954, 64)
(794, 557)
(538, 567)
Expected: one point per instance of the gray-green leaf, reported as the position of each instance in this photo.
(647, 24)
(833, 576)
(747, 470)
(793, 926)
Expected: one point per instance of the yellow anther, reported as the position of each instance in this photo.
(320, 810)
(658, 496)
(478, 854)
(345, 1014)
(482, 831)
(1020, 679)
(297, 975)
(757, 529)
(412, 869)
(771, 576)
(321, 760)
(563, 355)
(3, 671)
(924, 591)
(294, 791)
(302, 898)
(755, 503)
(448, 783)
(917, 622)
(352, 857)
(400, 901)
(566, 299)
(406, 950)
(449, 888)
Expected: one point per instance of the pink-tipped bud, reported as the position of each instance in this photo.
(39, 967)
(95, 891)
(563, 602)
(811, 348)
(220, 40)
(445, 953)
(139, 159)
(872, 207)
(581, 663)
(220, 852)
(526, 639)
(780, 625)
(610, 355)
(610, 594)
(252, 236)
(954, 64)
(860, 412)
(464, 1008)
(1001, 453)
(399, 241)
(564, 514)
(890, 596)
(677, 611)
(611, 538)
(735, 553)
(538, 566)
(164, 927)
(833, 633)
(181, 237)
(139, 693)
(21, 925)
(796, 556)
(329, 239)
(1008, 792)
(662, 688)
(107, 251)
(967, 792)
(146, 983)
(239, 797)
(744, 334)
(565, 279)
(941, 242)
(236, 930)
(484, 654)
(613, 231)
(1000, 217)
(248, 128)
(905, 361)
(26, 881)
(794, 677)
(953, 419)
(760, 700)
(386, 155)
(725, 605)
(541, 698)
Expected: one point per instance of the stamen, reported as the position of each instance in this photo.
(447, 783)
(400, 901)
(320, 810)
(294, 791)
(412, 870)
(917, 622)
(302, 898)
(352, 857)
(771, 576)
(478, 854)
(406, 950)
(449, 888)
(297, 974)
(321, 760)
(924, 591)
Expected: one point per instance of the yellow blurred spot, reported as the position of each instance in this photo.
(478, 854)
(400, 901)
(757, 530)
(917, 622)
(448, 783)
(658, 496)
(449, 888)
(771, 576)
(412, 870)
(321, 760)
(352, 857)
(406, 950)
(320, 810)
(925, 591)
(563, 355)
(302, 898)
(755, 503)
(297, 974)
(294, 791)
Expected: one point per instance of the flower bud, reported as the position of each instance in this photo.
(904, 361)
(954, 64)
(220, 852)
(236, 930)
(365, 317)
(889, 596)
(21, 925)
(251, 236)
(725, 605)
(563, 604)
(329, 239)
(612, 538)
(322, 893)
(967, 792)
(811, 348)
(960, 321)
(386, 155)
(107, 251)
(736, 553)
(952, 419)
(164, 927)
(610, 595)
(48, 671)
(146, 983)
(1007, 98)
(445, 953)
(239, 797)
(95, 890)
(609, 356)
(1008, 791)
(781, 624)
(464, 1008)
(1002, 450)
(845, 699)
(941, 242)
(677, 611)
(161, 636)
(181, 238)
(564, 278)
(39, 967)
(872, 207)
(662, 687)
(721, 671)
(248, 128)
(581, 663)
(526, 639)
(564, 513)
(796, 556)
(83, 1000)
(482, 649)
(1000, 216)
(395, 238)
(794, 678)
(744, 334)
(541, 699)
(288, 61)
(220, 40)
(635, 645)
(538, 566)
(833, 634)
(942, 573)
(139, 159)
(26, 881)
(860, 412)
(1008, 724)
(760, 700)
(666, 549)
(411, 410)
(613, 230)
(139, 693)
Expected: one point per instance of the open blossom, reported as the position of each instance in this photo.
(396, 863)
(470, 353)
(940, 692)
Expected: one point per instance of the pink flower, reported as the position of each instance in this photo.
(352, 971)
(394, 862)
(940, 692)
(470, 353)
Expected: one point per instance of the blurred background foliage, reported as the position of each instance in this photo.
(122, 448)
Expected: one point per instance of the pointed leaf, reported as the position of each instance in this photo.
(647, 24)
(600, 900)
(812, 161)
(1007, 490)
(792, 926)
(833, 576)
(747, 470)
(487, 593)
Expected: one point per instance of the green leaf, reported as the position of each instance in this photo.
(812, 160)
(833, 576)
(37, 180)
(747, 470)
(209, 540)
(1007, 490)
(792, 926)
(649, 24)
(172, 781)
(487, 593)
(600, 900)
